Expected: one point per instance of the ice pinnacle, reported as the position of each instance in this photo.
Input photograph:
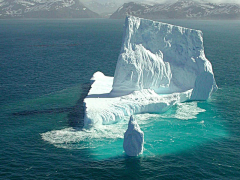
(133, 139)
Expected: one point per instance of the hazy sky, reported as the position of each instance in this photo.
(214, 1)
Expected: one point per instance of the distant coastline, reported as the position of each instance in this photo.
(182, 9)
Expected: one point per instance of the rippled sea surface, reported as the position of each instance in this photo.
(45, 67)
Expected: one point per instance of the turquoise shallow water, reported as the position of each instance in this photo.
(45, 67)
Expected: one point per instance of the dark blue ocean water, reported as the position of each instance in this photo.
(45, 67)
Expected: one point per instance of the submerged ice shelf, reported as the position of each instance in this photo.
(159, 65)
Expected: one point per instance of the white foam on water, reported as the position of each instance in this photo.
(188, 110)
(165, 133)
(64, 137)
(183, 111)
(92, 138)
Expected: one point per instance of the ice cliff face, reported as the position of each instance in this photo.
(133, 139)
(164, 58)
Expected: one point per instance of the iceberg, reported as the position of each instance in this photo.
(133, 139)
(159, 65)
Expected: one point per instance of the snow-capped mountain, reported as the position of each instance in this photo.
(182, 9)
(100, 8)
(44, 9)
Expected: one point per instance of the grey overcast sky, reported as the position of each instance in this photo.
(160, 1)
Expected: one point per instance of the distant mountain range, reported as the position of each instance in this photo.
(44, 9)
(182, 9)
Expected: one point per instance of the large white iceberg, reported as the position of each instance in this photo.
(159, 65)
(133, 139)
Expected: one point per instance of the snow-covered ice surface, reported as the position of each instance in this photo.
(159, 66)
(133, 139)
(102, 108)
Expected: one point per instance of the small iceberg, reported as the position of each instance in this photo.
(133, 139)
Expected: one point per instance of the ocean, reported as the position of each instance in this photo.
(45, 67)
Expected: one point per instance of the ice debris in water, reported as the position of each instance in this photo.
(133, 139)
